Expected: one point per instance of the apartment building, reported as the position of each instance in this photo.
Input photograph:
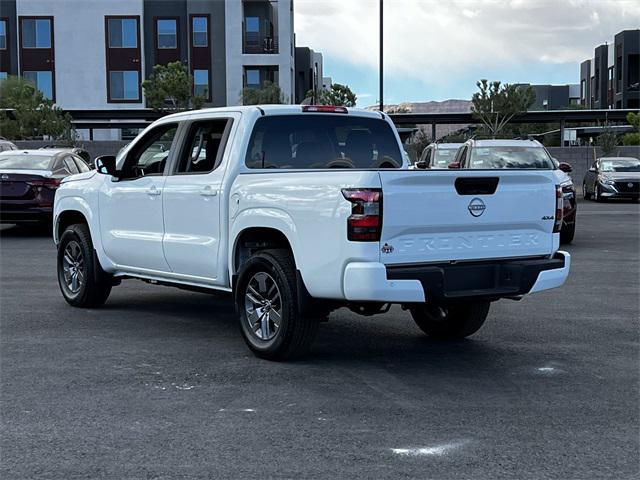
(308, 68)
(611, 79)
(94, 54)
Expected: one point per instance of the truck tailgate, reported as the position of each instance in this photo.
(435, 216)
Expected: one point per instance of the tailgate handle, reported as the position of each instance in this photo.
(477, 185)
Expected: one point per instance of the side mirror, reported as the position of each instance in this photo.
(106, 165)
(421, 164)
(565, 167)
(592, 169)
(454, 165)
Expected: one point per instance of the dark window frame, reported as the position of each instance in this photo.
(6, 33)
(156, 33)
(108, 48)
(192, 17)
(52, 48)
(200, 56)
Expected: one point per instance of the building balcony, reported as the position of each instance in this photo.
(260, 44)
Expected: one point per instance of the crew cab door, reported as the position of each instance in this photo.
(458, 215)
(193, 196)
(131, 221)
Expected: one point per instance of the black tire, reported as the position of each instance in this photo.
(596, 195)
(450, 322)
(567, 233)
(585, 194)
(294, 333)
(93, 284)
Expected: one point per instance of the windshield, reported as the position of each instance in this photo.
(25, 162)
(620, 165)
(444, 156)
(510, 157)
(318, 141)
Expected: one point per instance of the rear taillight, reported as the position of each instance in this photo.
(324, 109)
(46, 182)
(559, 209)
(365, 222)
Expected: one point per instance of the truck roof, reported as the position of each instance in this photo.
(269, 110)
(506, 143)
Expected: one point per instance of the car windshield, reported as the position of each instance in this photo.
(318, 141)
(444, 156)
(510, 157)
(620, 165)
(25, 162)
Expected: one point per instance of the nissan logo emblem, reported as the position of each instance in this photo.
(4, 176)
(630, 185)
(476, 207)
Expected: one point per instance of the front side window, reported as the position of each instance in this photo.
(149, 155)
(509, 158)
(204, 147)
(200, 31)
(123, 32)
(3, 34)
(201, 83)
(124, 85)
(43, 81)
(36, 33)
(321, 141)
(167, 33)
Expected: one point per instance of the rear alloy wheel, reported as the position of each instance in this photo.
(266, 302)
(82, 281)
(452, 321)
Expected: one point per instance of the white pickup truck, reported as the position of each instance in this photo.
(299, 210)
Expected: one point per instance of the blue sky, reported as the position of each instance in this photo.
(438, 49)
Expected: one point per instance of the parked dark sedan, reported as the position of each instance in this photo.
(612, 177)
(28, 181)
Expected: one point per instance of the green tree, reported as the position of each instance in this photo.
(417, 142)
(32, 114)
(633, 138)
(169, 88)
(338, 95)
(269, 94)
(495, 104)
(607, 140)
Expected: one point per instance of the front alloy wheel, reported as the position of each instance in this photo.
(73, 267)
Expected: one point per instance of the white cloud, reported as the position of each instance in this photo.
(434, 39)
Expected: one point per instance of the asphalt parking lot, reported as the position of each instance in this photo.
(159, 384)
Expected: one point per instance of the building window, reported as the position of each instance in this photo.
(3, 34)
(252, 25)
(124, 85)
(3, 75)
(123, 33)
(252, 77)
(167, 33)
(583, 89)
(36, 33)
(200, 31)
(43, 81)
(201, 83)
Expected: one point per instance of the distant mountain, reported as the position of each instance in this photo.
(446, 106)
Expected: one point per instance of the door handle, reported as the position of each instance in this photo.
(153, 191)
(208, 192)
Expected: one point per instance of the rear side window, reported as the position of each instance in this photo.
(204, 146)
(319, 141)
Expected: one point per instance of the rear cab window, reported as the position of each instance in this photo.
(322, 141)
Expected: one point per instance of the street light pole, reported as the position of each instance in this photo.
(381, 97)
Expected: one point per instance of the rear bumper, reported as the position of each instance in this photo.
(449, 282)
(26, 215)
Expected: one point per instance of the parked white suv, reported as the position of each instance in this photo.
(298, 211)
